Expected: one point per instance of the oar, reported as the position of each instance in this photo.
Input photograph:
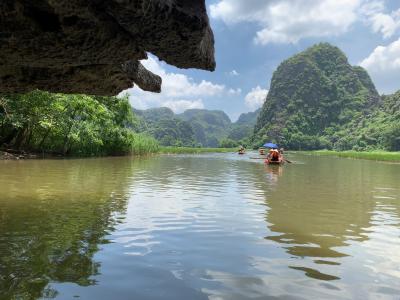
(257, 158)
(288, 161)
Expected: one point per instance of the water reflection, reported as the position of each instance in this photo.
(53, 218)
(273, 173)
(199, 227)
(322, 211)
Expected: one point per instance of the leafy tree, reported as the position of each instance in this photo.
(228, 143)
(70, 125)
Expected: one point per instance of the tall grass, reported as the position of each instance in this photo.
(372, 155)
(187, 150)
(143, 144)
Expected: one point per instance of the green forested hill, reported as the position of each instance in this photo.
(249, 118)
(166, 127)
(378, 130)
(195, 127)
(243, 128)
(314, 98)
(155, 114)
(210, 126)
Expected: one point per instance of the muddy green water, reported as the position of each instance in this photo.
(217, 226)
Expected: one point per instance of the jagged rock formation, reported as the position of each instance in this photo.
(94, 47)
(314, 96)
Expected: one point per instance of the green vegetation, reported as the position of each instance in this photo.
(189, 150)
(76, 125)
(228, 143)
(378, 130)
(243, 128)
(196, 127)
(317, 100)
(162, 124)
(249, 118)
(371, 155)
(210, 126)
(81, 125)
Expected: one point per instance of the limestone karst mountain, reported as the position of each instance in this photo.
(313, 97)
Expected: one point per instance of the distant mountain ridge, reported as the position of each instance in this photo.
(206, 128)
(210, 126)
(249, 118)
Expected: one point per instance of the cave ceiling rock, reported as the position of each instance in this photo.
(94, 46)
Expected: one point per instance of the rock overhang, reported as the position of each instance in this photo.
(95, 46)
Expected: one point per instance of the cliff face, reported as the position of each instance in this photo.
(312, 94)
(94, 47)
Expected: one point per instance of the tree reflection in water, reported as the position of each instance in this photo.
(317, 210)
(51, 227)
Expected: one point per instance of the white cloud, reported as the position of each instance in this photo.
(383, 64)
(233, 73)
(385, 23)
(235, 91)
(178, 90)
(288, 21)
(179, 106)
(255, 98)
(180, 85)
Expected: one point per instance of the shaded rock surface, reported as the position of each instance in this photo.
(94, 47)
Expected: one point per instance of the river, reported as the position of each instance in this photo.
(212, 226)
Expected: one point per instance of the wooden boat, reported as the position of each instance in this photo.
(281, 161)
(241, 152)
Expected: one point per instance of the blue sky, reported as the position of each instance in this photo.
(253, 36)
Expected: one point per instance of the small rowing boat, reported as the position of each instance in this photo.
(280, 161)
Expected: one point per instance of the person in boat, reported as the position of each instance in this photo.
(274, 155)
(241, 150)
(261, 151)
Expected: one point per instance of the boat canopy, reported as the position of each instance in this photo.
(271, 145)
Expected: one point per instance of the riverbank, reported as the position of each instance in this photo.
(15, 155)
(372, 155)
(188, 150)
(12, 155)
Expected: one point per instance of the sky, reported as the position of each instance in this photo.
(252, 37)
